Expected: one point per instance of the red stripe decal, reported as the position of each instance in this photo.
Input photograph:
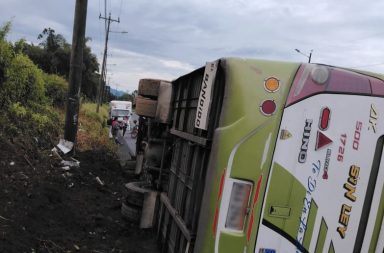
(257, 190)
(221, 184)
(214, 225)
(250, 227)
(255, 198)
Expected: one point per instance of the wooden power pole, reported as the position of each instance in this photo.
(100, 88)
(75, 72)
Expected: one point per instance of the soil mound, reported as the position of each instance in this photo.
(48, 207)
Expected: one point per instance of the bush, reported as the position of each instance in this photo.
(56, 90)
(6, 56)
(35, 121)
(18, 110)
(23, 83)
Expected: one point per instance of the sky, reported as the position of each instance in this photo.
(166, 39)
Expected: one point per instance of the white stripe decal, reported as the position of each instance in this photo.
(266, 148)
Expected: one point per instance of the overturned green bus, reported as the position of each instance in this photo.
(274, 157)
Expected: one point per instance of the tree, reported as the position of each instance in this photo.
(51, 41)
(4, 30)
(53, 54)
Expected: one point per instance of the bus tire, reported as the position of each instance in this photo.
(131, 212)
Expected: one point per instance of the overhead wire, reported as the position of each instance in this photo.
(121, 7)
(99, 28)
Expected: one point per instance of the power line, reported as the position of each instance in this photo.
(103, 67)
(105, 15)
(121, 7)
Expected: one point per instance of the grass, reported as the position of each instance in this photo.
(93, 132)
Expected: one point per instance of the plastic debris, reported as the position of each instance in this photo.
(70, 163)
(99, 181)
(66, 168)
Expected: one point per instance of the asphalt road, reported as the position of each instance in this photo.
(127, 146)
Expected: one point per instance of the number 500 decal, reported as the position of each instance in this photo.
(356, 136)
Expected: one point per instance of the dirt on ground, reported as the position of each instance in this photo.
(45, 208)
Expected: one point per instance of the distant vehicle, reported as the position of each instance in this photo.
(120, 109)
(272, 157)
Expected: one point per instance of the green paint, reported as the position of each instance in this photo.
(240, 116)
(280, 211)
(285, 190)
(249, 156)
(378, 223)
(331, 248)
(322, 236)
(310, 224)
(232, 242)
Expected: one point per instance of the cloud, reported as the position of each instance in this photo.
(170, 38)
(129, 67)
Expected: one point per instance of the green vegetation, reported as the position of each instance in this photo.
(33, 91)
(52, 55)
(24, 108)
(93, 131)
(56, 89)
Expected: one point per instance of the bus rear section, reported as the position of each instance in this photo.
(274, 157)
(324, 192)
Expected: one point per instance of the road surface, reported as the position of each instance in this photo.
(127, 146)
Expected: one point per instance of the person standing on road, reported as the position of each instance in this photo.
(125, 124)
(115, 128)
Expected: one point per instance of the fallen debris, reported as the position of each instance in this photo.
(99, 181)
(66, 168)
(30, 164)
(65, 146)
(54, 152)
(3, 218)
(70, 163)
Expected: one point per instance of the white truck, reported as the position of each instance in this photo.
(120, 109)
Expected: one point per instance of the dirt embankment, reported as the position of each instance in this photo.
(44, 208)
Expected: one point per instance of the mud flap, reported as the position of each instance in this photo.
(65, 146)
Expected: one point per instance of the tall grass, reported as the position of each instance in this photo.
(93, 132)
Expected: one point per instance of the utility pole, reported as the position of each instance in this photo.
(75, 74)
(103, 66)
